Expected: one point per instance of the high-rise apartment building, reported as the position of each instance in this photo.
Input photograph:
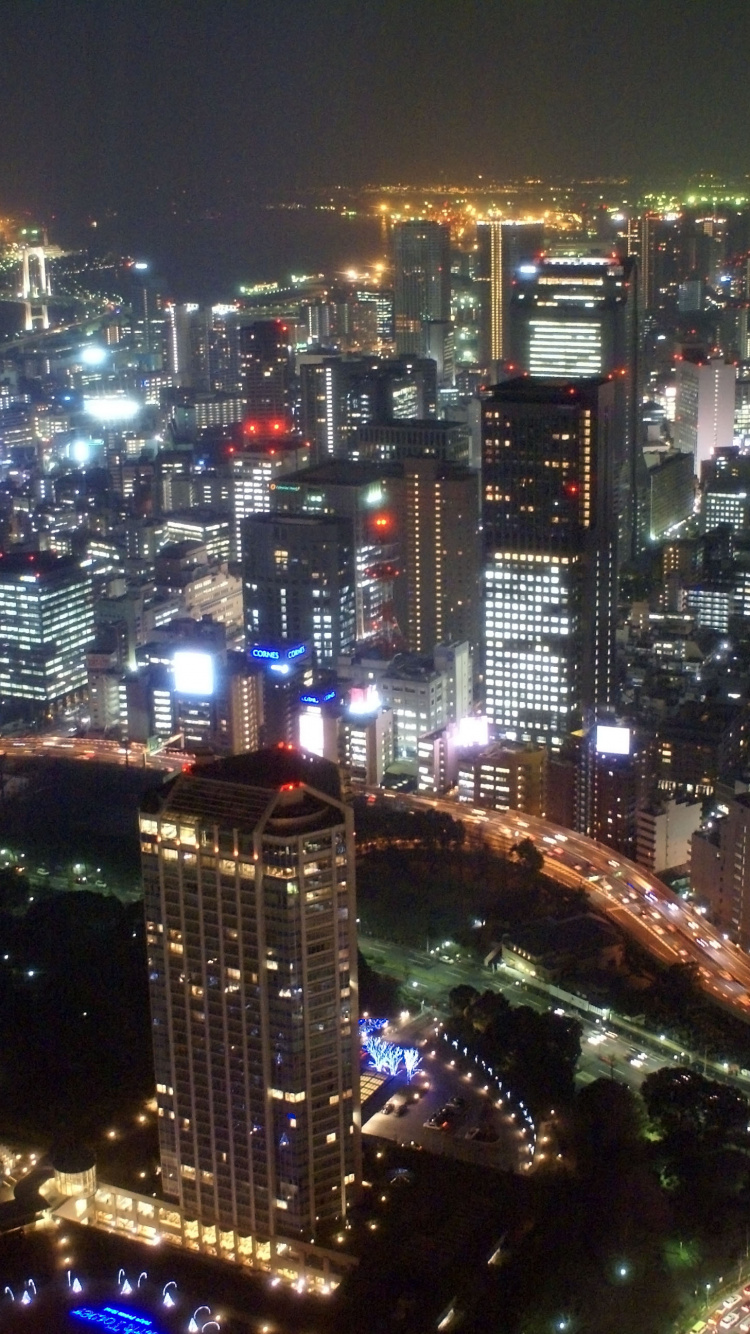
(299, 581)
(549, 535)
(501, 248)
(248, 871)
(46, 627)
(422, 287)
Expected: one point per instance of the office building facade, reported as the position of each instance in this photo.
(704, 407)
(422, 293)
(299, 581)
(501, 248)
(549, 535)
(46, 627)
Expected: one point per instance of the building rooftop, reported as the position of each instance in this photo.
(571, 935)
(344, 472)
(13, 563)
(275, 785)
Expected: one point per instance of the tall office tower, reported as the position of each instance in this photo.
(501, 248)
(248, 872)
(299, 582)
(265, 458)
(46, 627)
(267, 369)
(339, 394)
(704, 406)
(442, 554)
(187, 339)
(659, 263)
(550, 601)
(370, 496)
(422, 287)
(574, 317)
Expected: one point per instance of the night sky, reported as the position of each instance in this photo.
(119, 103)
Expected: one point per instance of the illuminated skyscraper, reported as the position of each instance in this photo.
(422, 290)
(248, 871)
(502, 247)
(576, 317)
(549, 554)
(46, 626)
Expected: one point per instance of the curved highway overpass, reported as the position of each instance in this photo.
(637, 901)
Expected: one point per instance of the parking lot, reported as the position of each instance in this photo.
(445, 1112)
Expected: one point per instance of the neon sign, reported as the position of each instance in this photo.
(277, 655)
(115, 1319)
(318, 699)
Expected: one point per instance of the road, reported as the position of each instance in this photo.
(609, 1048)
(638, 902)
(62, 747)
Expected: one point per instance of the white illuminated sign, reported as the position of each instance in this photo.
(111, 408)
(311, 735)
(612, 740)
(193, 672)
(473, 731)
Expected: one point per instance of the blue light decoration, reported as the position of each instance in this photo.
(369, 1025)
(412, 1061)
(116, 1319)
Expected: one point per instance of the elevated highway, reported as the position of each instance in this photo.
(636, 901)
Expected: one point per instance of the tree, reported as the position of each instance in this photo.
(611, 1122)
(528, 856)
(694, 1111)
(461, 998)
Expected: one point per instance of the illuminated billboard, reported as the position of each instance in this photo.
(473, 731)
(311, 732)
(111, 408)
(193, 672)
(612, 740)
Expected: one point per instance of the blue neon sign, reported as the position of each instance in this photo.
(115, 1319)
(318, 699)
(277, 655)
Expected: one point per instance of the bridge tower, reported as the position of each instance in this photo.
(35, 286)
